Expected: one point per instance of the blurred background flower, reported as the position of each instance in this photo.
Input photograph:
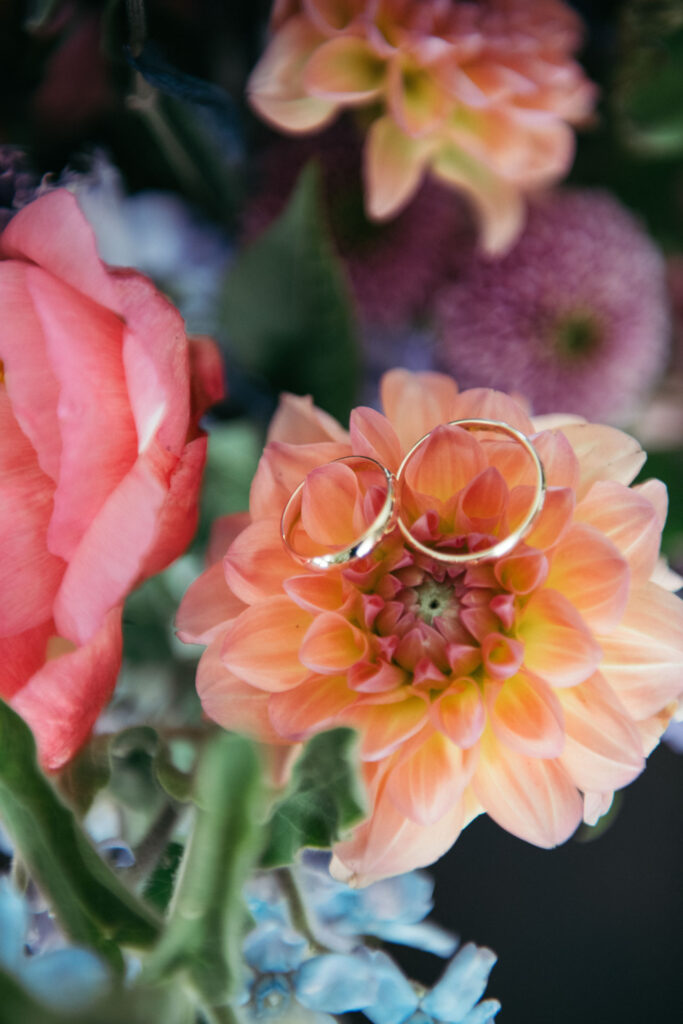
(482, 95)
(575, 317)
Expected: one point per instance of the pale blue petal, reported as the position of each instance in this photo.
(429, 937)
(396, 997)
(13, 925)
(335, 983)
(484, 1013)
(463, 983)
(68, 979)
(274, 949)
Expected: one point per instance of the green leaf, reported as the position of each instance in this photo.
(204, 933)
(93, 906)
(324, 799)
(286, 307)
(159, 886)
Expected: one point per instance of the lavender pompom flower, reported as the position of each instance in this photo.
(575, 317)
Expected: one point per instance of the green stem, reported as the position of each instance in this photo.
(297, 908)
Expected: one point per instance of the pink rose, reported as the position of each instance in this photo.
(100, 462)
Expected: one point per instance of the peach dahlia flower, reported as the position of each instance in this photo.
(482, 94)
(530, 688)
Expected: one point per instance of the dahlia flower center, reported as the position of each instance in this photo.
(434, 599)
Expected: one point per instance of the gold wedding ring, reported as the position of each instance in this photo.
(362, 545)
(506, 544)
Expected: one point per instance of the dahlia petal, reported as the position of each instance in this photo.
(394, 166)
(331, 505)
(499, 205)
(629, 520)
(316, 593)
(484, 499)
(523, 572)
(502, 655)
(415, 99)
(257, 563)
(29, 379)
(62, 700)
(310, 707)
(553, 520)
(656, 493)
(643, 660)
(332, 644)
(282, 468)
(373, 436)
(276, 90)
(230, 701)
(604, 453)
(595, 805)
(603, 749)
(206, 608)
(414, 403)
(104, 568)
(445, 463)
(526, 716)
(53, 233)
(83, 345)
(664, 576)
(345, 70)
(21, 655)
(488, 404)
(384, 727)
(532, 798)
(29, 574)
(223, 532)
(560, 464)
(558, 645)
(388, 843)
(298, 421)
(262, 644)
(589, 571)
(376, 677)
(459, 712)
(428, 780)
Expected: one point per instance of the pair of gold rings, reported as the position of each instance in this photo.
(389, 515)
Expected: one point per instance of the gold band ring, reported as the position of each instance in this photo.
(504, 546)
(364, 544)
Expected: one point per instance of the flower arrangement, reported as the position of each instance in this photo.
(339, 596)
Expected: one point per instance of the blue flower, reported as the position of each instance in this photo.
(288, 982)
(392, 910)
(453, 1000)
(67, 979)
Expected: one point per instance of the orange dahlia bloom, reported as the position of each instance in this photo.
(482, 94)
(530, 687)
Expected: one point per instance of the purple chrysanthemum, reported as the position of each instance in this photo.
(575, 317)
(394, 268)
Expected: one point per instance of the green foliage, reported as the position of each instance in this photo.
(286, 308)
(323, 801)
(159, 886)
(93, 906)
(649, 88)
(207, 918)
